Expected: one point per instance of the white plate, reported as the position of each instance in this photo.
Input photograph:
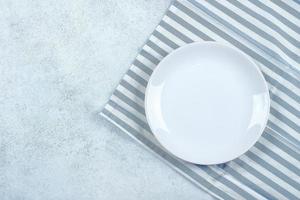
(207, 103)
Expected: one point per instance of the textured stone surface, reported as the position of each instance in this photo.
(59, 62)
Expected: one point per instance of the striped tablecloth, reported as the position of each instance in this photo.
(269, 32)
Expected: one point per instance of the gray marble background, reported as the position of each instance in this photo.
(59, 62)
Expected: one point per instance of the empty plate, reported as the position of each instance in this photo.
(207, 103)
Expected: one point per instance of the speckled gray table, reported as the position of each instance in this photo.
(59, 62)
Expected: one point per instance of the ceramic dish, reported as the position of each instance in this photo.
(207, 103)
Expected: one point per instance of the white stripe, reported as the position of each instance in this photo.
(258, 38)
(145, 61)
(255, 179)
(169, 35)
(274, 91)
(272, 162)
(285, 112)
(279, 152)
(212, 180)
(268, 174)
(271, 18)
(292, 4)
(186, 32)
(175, 40)
(139, 72)
(225, 188)
(130, 95)
(160, 44)
(131, 123)
(284, 139)
(128, 108)
(134, 83)
(282, 12)
(243, 186)
(191, 21)
(284, 126)
(283, 96)
(236, 182)
(152, 52)
(281, 80)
